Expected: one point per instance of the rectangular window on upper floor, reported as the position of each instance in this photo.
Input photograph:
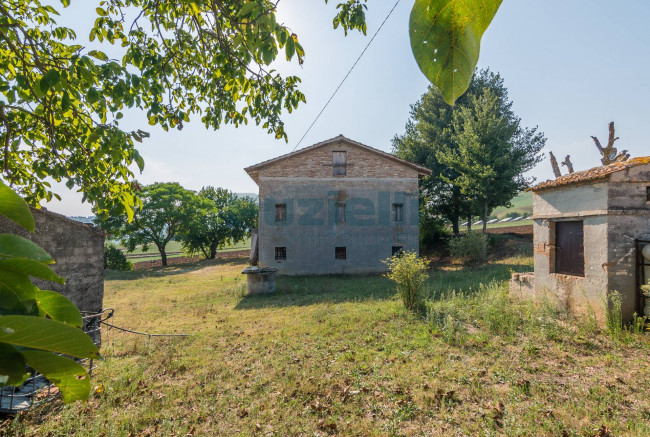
(339, 163)
(280, 212)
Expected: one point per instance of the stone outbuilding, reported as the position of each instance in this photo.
(78, 250)
(589, 229)
(336, 207)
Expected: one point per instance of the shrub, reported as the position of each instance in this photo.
(470, 248)
(114, 259)
(409, 272)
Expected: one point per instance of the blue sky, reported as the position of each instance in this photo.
(571, 67)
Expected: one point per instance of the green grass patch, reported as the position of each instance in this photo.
(340, 355)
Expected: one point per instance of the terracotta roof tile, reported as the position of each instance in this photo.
(592, 174)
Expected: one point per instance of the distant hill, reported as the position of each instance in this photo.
(82, 219)
(521, 204)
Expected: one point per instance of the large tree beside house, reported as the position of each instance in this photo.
(477, 149)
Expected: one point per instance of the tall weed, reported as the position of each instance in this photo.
(409, 272)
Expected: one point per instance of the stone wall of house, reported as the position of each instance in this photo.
(79, 253)
(629, 220)
(317, 163)
(311, 233)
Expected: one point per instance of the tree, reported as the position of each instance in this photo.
(220, 218)
(165, 212)
(61, 103)
(437, 135)
(493, 151)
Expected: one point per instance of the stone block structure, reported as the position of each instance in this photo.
(78, 250)
(586, 227)
(336, 207)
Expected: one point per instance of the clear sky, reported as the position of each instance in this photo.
(571, 67)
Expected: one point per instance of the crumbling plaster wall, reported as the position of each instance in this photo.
(78, 250)
(589, 204)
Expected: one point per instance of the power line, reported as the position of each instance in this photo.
(346, 76)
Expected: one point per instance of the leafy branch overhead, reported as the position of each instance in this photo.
(61, 104)
(446, 40)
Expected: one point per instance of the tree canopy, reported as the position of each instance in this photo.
(61, 103)
(477, 149)
(220, 218)
(165, 210)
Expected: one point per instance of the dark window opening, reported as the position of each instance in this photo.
(647, 194)
(280, 253)
(398, 251)
(398, 212)
(340, 253)
(340, 212)
(280, 213)
(569, 248)
(339, 163)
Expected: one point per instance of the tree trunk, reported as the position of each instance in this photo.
(213, 250)
(454, 225)
(469, 220)
(163, 256)
(485, 216)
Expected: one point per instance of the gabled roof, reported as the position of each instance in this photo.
(592, 174)
(420, 169)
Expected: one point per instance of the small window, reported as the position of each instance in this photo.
(340, 212)
(339, 163)
(398, 251)
(280, 253)
(280, 212)
(340, 253)
(398, 212)
(647, 194)
(569, 248)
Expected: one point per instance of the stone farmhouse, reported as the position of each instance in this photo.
(336, 207)
(589, 231)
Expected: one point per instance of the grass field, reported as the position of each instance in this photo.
(522, 203)
(173, 247)
(339, 355)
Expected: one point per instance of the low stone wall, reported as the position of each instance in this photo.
(78, 250)
(523, 285)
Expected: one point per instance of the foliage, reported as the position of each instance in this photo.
(219, 218)
(646, 289)
(442, 138)
(36, 325)
(434, 232)
(115, 259)
(61, 103)
(469, 248)
(446, 40)
(409, 272)
(166, 210)
(493, 151)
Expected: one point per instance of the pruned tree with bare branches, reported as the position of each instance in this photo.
(610, 153)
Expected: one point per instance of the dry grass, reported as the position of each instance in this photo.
(338, 355)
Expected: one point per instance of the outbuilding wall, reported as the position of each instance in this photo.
(587, 203)
(78, 250)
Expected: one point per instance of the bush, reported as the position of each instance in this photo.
(470, 248)
(114, 259)
(434, 233)
(409, 273)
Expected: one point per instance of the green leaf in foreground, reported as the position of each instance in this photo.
(46, 334)
(446, 40)
(12, 366)
(69, 376)
(58, 307)
(15, 208)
